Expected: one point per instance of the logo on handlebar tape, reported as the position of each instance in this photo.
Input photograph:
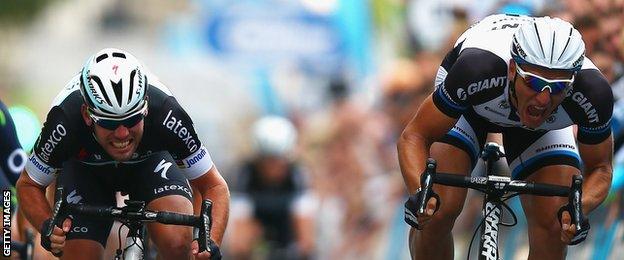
(478, 180)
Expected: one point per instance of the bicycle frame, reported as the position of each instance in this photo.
(495, 187)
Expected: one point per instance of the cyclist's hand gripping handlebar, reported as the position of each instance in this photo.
(416, 205)
(426, 186)
(58, 216)
(575, 208)
(203, 232)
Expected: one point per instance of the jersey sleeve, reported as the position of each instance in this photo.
(51, 148)
(458, 70)
(593, 102)
(12, 157)
(182, 141)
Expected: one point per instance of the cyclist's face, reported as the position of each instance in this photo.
(534, 106)
(120, 143)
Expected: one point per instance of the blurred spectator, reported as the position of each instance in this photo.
(272, 211)
(605, 63)
(406, 86)
(403, 92)
(589, 28)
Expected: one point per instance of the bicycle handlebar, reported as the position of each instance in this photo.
(501, 183)
(494, 184)
(136, 212)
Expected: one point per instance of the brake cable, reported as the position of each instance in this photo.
(505, 206)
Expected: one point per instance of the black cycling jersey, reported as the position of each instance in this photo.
(273, 202)
(65, 136)
(12, 157)
(473, 79)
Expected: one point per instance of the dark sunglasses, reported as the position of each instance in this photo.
(539, 84)
(128, 121)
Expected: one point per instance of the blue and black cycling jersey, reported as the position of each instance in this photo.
(12, 157)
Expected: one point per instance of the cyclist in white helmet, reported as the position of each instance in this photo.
(115, 127)
(527, 78)
(272, 205)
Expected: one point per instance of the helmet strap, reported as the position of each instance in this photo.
(512, 90)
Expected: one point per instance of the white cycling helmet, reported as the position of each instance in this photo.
(274, 135)
(550, 43)
(113, 84)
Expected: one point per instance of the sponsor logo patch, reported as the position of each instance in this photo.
(461, 94)
(486, 84)
(41, 167)
(175, 126)
(53, 140)
(587, 106)
(173, 187)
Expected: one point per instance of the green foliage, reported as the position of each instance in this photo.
(20, 12)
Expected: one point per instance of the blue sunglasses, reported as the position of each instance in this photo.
(539, 84)
(128, 121)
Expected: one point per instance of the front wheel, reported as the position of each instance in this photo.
(134, 248)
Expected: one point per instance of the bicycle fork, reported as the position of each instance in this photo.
(488, 246)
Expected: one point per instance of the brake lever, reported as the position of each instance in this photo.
(205, 226)
(575, 201)
(426, 184)
(58, 212)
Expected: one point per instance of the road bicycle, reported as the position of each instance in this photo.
(134, 216)
(496, 188)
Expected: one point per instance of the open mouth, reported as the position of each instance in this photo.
(535, 112)
(121, 145)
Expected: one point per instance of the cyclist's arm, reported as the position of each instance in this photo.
(595, 137)
(32, 197)
(212, 186)
(427, 126)
(598, 171)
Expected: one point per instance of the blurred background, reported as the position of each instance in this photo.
(300, 103)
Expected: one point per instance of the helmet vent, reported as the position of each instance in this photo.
(539, 39)
(98, 84)
(566, 45)
(119, 55)
(132, 75)
(552, 47)
(101, 57)
(117, 87)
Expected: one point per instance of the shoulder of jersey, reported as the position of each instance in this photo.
(493, 33)
(155, 83)
(72, 86)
